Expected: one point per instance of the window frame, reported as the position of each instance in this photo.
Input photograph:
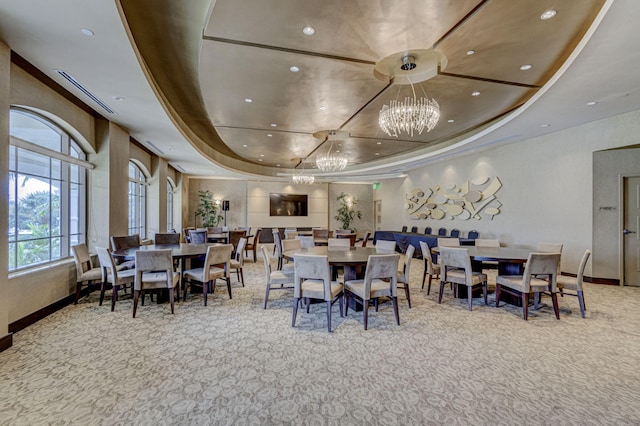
(137, 199)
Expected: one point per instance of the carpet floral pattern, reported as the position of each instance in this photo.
(234, 363)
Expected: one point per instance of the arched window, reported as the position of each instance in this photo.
(170, 190)
(137, 201)
(47, 191)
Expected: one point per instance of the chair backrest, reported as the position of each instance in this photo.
(351, 237)
(407, 260)
(312, 267)
(107, 264)
(442, 232)
(320, 233)
(386, 245)
(338, 242)
(291, 245)
(342, 231)
(583, 264)
(125, 242)
(215, 229)
(247, 229)
(455, 258)
(234, 237)
(427, 230)
(383, 267)
(448, 242)
(414, 229)
(267, 262)
(545, 264)
(277, 242)
(473, 234)
(153, 261)
(455, 233)
(365, 239)
(256, 238)
(289, 235)
(168, 238)
(483, 242)
(306, 241)
(550, 247)
(82, 259)
(218, 255)
(404, 228)
(239, 256)
(197, 237)
(426, 255)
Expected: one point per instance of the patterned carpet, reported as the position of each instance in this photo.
(234, 363)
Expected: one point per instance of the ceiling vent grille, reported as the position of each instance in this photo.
(78, 86)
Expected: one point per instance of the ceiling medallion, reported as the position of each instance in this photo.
(412, 114)
(331, 161)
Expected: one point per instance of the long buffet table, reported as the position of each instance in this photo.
(403, 239)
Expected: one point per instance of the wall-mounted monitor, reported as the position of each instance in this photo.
(288, 204)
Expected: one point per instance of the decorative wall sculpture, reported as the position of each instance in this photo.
(466, 201)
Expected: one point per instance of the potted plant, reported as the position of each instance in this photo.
(208, 210)
(347, 212)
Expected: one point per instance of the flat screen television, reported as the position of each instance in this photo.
(288, 204)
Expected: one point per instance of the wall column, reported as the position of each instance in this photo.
(157, 197)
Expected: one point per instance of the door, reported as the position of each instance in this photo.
(631, 234)
(377, 214)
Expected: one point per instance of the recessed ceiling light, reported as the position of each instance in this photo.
(293, 68)
(87, 32)
(592, 103)
(308, 30)
(248, 100)
(545, 125)
(323, 107)
(259, 159)
(476, 93)
(377, 153)
(118, 98)
(526, 67)
(450, 121)
(269, 135)
(337, 150)
(379, 143)
(548, 14)
(261, 155)
(274, 125)
(278, 165)
(244, 145)
(471, 52)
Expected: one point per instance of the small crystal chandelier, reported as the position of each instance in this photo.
(411, 114)
(301, 178)
(331, 161)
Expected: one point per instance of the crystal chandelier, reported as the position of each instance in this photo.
(301, 178)
(411, 114)
(331, 161)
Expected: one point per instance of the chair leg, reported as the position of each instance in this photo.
(440, 293)
(498, 291)
(136, 294)
(429, 286)
(581, 302)
(395, 309)
(345, 295)
(365, 313)
(229, 287)
(266, 296)
(424, 277)
(102, 289)
(406, 292)
(329, 316)
(171, 299)
(142, 295)
(470, 297)
(241, 277)
(536, 300)
(341, 304)
(556, 308)
(205, 291)
(114, 295)
(525, 305)
(306, 301)
(484, 291)
(296, 302)
(376, 303)
(78, 286)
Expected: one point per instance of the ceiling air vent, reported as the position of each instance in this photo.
(78, 86)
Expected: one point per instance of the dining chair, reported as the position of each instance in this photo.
(216, 266)
(455, 267)
(320, 233)
(547, 248)
(574, 284)
(154, 270)
(473, 235)
(365, 238)
(403, 275)
(427, 230)
(121, 243)
(338, 242)
(253, 245)
(386, 245)
(234, 237)
(312, 280)
(214, 229)
(538, 265)
(380, 280)
(185, 232)
(414, 229)
(448, 242)
(198, 237)
(277, 243)
(442, 232)
(85, 271)
(119, 279)
(247, 229)
(484, 242)
(306, 241)
(291, 245)
(275, 280)
(351, 237)
(404, 228)
(431, 269)
(289, 235)
(237, 261)
(167, 238)
(455, 233)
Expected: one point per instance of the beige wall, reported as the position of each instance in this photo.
(5, 87)
(233, 190)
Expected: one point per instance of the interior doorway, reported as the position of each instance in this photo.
(631, 231)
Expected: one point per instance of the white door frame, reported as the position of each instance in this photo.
(621, 212)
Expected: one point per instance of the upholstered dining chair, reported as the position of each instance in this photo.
(306, 241)
(216, 266)
(121, 243)
(414, 229)
(386, 245)
(185, 232)
(365, 238)
(86, 273)
(167, 238)
(338, 242)
(448, 242)
(442, 232)
(119, 279)
(455, 233)
(431, 269)
(234, 237)
(351, 237)
(154, 270)
(293, 244)
(198, 237)
(574, 284)
(275, 280)
(312, 280)
(473, 234)
(403, 275)
(540, 275)
(237, 260)
(427, 230)
(484, 242)
(547, 248)
(404, 228)
(380, 280)
(253, 245)
(277, 243)
(320, 232)
(455, 268)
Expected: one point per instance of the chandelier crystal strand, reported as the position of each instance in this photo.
(303, 179)
(408, 116)
(331, 162)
